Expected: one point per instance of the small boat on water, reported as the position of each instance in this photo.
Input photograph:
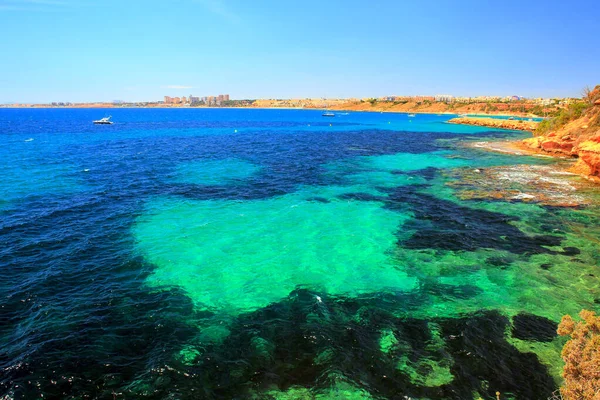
(104, 121)
(328, 114)
(411, 115)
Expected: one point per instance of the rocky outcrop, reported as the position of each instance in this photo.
(579, 138)
(589, 155)
(496, 123)
(552, 144)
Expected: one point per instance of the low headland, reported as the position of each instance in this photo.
(514, 124)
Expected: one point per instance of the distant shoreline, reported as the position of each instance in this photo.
(105, 107)
(520, 108)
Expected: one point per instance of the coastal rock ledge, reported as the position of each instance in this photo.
(579, 138)
(496, 123)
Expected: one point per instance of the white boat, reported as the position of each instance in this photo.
(411, 115)
(328, 114)
(104, 121)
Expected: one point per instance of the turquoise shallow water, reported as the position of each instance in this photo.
(210, 173)
(276, 254)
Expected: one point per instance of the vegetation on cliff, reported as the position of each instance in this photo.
(572, 112)
(582, 357)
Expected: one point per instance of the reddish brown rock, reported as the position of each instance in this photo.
(592, 160)
(557, 146)
(589, 153)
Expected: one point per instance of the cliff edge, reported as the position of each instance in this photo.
(574, 132)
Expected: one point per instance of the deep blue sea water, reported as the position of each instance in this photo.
(233, 253)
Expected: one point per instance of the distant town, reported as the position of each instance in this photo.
(441, 103)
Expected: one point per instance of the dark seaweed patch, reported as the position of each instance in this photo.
(478, 346)
(122, 338)
(570, 251)
(442, 224)
(534, 328)
(313, 341)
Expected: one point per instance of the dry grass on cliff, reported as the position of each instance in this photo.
(586, 108)
(582, 357)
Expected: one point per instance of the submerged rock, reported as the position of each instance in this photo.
(542, 184)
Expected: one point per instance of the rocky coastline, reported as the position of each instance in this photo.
(568, 136)
(579, 139)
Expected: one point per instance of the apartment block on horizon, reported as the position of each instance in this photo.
(446, 98)
(208, 100)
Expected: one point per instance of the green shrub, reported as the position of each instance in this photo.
(562, 117)
(538, 110)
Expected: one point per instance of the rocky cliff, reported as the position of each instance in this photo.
(576, 133)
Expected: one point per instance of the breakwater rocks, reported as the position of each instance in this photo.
(496, 123)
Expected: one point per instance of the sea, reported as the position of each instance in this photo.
(280, 254)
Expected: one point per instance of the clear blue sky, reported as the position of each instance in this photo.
(88, 50)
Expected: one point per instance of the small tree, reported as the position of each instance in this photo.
(586, 95)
